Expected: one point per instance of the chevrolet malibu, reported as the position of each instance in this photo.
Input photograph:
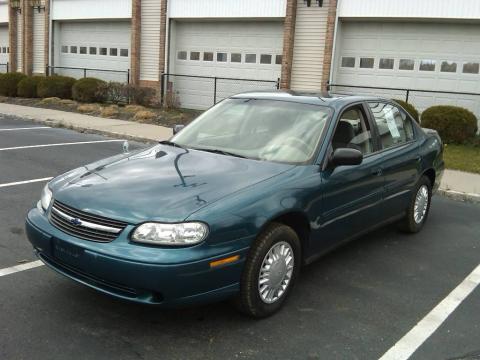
(236, 202)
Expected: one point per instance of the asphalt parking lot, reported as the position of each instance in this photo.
(354, 303)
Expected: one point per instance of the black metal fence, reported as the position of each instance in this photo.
(421, 99)
(4, 68)
(107, 75)
(201, 92)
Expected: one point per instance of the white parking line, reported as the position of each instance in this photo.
(27, 128)
(25, 182)
(407, 345)
(60, 144)
(22, 267)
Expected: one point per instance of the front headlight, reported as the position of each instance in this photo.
(45, 199)
(182, 234)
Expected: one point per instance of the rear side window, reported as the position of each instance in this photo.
(394, 126)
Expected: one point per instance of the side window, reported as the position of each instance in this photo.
(394, 126)
(353, 131)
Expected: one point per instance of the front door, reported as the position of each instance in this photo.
(350, 194)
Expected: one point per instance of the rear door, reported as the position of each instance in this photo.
(400, 157)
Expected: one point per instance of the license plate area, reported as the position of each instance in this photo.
(66, 252)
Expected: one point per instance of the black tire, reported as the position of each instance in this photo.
(249, 300)
(408, 223)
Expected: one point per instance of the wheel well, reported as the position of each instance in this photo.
(430, 173)
(299, 223)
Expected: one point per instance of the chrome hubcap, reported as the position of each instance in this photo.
(276, 272)
(421, 204)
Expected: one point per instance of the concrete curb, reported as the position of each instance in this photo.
(84, 130)
(460, 196)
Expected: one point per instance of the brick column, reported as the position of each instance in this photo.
(327, 62)
(163, 36)
(46, 40)
(135, 46)
(12, 38)
(27, 37)
(288, 43)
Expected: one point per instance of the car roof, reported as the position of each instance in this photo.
(314, 98)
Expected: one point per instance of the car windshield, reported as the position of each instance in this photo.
(269, 130)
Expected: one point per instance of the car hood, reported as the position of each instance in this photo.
(162, 183)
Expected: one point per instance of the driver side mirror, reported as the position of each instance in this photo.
(345, 157)
(177, 129)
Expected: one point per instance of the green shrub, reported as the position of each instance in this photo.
(86, 90)
(410, 109)
(27, 87)
(113, 92)
(140, 95)
(9, 83)
(118, 93)
(56, 86)
(454, 124)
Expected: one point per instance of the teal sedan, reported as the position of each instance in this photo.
(239, 200)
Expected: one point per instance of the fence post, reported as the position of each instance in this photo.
(215, 90)
(162, 88)
(408, 95)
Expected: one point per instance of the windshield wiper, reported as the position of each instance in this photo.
(221, 152)
(171, 143)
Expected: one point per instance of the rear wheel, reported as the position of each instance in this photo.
(270, 271)
(419, 207)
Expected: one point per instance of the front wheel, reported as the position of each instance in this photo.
(419, 207)
(271, 269)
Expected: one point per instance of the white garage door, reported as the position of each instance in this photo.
(245, 50)
(4, 48)
(426, 56)
(94, 45)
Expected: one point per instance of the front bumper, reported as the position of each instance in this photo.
(145, 274)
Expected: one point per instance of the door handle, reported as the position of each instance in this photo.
(377, 172)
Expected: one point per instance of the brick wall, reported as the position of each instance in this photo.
(288, 43)
(27, 38)
(163, 34)
(327, 64)
(12, 38)
(136, 41)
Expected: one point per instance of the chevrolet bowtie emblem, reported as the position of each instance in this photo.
(75, 222)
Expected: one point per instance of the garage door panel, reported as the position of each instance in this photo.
(458, 43)
(232, 37)
(3, 47)
(449, 83)
(470, 86)
(112, 36)
(191, 92)
(406, 45)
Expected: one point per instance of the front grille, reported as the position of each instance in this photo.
(84, 225)
(94, 281)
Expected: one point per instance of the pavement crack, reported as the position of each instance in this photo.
(474, 355)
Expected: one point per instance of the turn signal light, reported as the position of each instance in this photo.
(225, 261)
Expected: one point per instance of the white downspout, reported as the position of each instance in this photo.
(332, 63)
